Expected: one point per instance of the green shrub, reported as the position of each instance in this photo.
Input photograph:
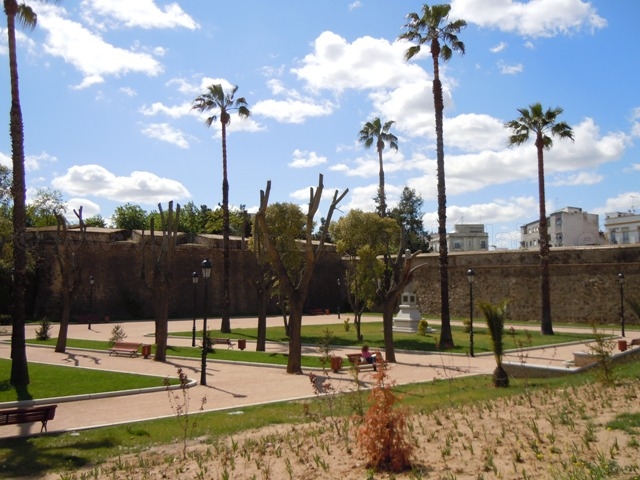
(423, 325)
(44, 331)
(117, 334)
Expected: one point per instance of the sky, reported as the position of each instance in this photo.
(107, 88)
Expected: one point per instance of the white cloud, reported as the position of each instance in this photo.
(498, 48)
(506, 69)
(141, 13)
(578, 178)
(367, 63)
(489, 165)
(6, 160)
(166, 133)
(635, 122)
(498, 211)
(535, 18)
(89, 209)
(36, 162)
(128, 91)
(354, 5)
(305, 159)
(175, 111)
(623, 202)
(291, 111)
(472, 132)
(138, 187)
(88, 52)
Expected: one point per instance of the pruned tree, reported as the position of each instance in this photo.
(264, 280)
(296, 289)
(162, 252)
(64, 252)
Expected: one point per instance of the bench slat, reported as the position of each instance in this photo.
(129, 348)
(28, 415)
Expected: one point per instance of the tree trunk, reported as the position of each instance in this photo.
(61, 343)
(500, 377)
(161, 307)
(225, 325)
(388, 309)
(546, 325)
(19, 366)
(263, 302)
(446, 337)
(381, 192)
(294, 363)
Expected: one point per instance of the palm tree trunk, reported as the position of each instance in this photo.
(546, 326)
(19, 366)
(381, 193)
(446, 337)
(225, 326)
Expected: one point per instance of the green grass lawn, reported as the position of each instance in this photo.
(373, 336)
(219, 352)
(54, 381)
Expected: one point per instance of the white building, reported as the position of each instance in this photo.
(567, 227)
(622, 228)
(465, 238)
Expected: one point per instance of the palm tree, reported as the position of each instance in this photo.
(495, 315)
(371, 131)
(538, 122)
(26, 17)
(431, 28)
(216, 98)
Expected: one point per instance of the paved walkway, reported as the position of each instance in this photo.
(231, 385)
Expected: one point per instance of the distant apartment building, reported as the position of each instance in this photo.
(567, 227)
(465, 238)
(622, 228)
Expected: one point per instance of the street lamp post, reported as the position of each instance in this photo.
(621, 280)
(90, 301)
(339, 298)
(206, 271)
(470, 276)
(194, 279)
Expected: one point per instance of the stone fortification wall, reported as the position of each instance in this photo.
(584, 282)
(122, 272)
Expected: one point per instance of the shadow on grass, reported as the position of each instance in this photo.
(23, 457)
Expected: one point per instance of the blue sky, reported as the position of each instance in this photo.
(107, 86)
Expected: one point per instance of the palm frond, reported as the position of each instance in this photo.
(495, 315)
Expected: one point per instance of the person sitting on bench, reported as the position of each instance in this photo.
(368, 356)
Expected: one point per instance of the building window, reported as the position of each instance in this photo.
(558, 221)
(457, 246)
(483, 244)
(625, 235)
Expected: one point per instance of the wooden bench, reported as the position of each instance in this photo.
(128, 348)
(223, 341)
(16, 416)
(359, 363)
(634, 342)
